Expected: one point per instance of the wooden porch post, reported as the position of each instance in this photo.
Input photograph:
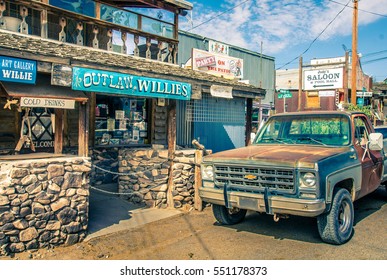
(198, 203)
(83, 130)
(249, 113)
(171, 148)
(58, 141)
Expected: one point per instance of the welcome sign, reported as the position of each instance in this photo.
(86, 79)
(17, 70)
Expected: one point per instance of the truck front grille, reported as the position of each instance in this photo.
(255, 179)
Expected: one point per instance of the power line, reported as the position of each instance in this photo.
(373, 60)
(315, 39)
(218, 15)
(373, 54)
(365, 11)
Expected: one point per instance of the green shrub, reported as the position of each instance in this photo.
(364, 109)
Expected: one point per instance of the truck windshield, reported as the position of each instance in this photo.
(323, 130)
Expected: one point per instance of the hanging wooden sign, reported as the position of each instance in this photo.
(61, 75)
(47, 103)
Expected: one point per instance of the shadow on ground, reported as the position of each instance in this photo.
(107, 209)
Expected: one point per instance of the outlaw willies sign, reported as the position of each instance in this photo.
(17, 70)
(86, 79)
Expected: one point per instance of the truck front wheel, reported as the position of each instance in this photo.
(336, 226)
(228, 216)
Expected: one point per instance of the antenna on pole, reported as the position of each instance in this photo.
(260, 68)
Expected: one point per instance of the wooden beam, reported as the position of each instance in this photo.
(44, 24)
(198, 203)
(176, 28)
(58, 140)
(87, 126)
(249, 120)
(346, 77)
(299, 84)
(151, 120)
(354, 53)
(148, 4)
(93, 105)
(82, 131)
(171, 148)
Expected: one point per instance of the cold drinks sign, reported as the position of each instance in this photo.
(17, 70)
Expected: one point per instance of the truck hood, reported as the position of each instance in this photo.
(276, 155)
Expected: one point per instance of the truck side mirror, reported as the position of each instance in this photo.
(375, 141)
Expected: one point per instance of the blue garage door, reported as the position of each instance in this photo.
(218, 123)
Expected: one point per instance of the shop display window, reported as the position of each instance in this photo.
(120, 120)
(37, 126)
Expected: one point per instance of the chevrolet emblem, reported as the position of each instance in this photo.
(250, 177)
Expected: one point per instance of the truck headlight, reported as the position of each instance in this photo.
(308, 180)
(207, 172)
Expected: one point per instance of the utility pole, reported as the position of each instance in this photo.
(299, 84)
(354, 52)
(346, 76)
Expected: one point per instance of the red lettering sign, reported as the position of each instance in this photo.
(205, 61)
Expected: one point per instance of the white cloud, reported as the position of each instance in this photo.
(280, 24)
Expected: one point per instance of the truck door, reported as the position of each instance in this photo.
(371, 161)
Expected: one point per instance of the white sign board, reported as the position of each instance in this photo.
(216, 47)
(364, 94)
(327, 93)
(47, 103)
(221, 91)
(217, 64)
(323, 79)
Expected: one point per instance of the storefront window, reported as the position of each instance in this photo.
(121, 120)
(39, 120)
(83, 7)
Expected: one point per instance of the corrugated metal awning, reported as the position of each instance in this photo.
(42, 88)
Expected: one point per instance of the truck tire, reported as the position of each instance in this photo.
(336, 226)
(227, 216)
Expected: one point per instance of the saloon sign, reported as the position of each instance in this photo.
(323, 79)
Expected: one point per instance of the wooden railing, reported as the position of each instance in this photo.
(114, 34)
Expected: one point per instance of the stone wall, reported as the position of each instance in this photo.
(183, 178)
(145, 174)
(105, 166)
(43, 203)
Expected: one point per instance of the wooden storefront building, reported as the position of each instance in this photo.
(73, 87)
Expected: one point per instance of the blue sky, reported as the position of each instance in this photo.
(287, 29)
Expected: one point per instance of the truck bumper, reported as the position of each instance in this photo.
(268, 204)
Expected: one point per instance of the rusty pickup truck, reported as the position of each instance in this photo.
(313, 164)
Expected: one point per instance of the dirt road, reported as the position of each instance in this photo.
(195, 235)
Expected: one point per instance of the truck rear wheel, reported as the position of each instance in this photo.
(228, 216)
(336, 226)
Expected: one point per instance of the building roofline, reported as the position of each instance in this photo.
(197, 36)
(47, 50)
